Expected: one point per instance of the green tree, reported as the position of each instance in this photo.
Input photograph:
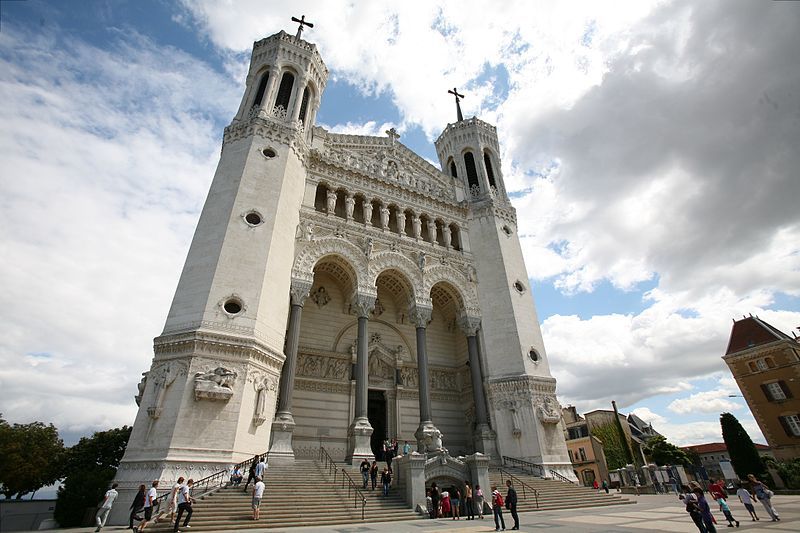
(789, 470)
(89, 467)
(31, 457)
(744, 455)
(665, 453)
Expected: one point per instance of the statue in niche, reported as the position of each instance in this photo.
(141, 386)
(378, 310)
(421, 260)
(216, 384)
(391, 170)
(369, 246)
(384, 216)
(263, 387)
(548, 410)
(309, 231)
(331, 202)
(349, 206)
(513, 408)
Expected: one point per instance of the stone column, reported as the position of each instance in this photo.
(429, 438)
(283, 425)
(360, 430)
(297, 99)
(484, 437)
(272, 86)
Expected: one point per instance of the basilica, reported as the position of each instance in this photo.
(339, 291)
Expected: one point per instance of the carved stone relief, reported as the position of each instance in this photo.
(320, 297)
(162, 376)
(547, 409)
(216, 384)
(320, 366)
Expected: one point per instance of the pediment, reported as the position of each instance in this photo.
(391, 162)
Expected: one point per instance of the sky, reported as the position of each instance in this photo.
(650, 149)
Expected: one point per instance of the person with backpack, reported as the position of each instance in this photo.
(497, 509)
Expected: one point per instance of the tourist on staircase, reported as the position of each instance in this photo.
(185, 501)
(373, 474)
(251, 474)
(511, 503)
(105, 507)
(137, 506)
(386, 480)
(364, 468)
(173, 498)
(149, 501)
(258, 493)
(497, 509)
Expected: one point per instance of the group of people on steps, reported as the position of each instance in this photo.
(179, 502)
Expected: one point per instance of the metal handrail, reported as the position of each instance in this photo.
(524, 485)
(352, 488)
(535, 468)
(560, 477)
(203, 486)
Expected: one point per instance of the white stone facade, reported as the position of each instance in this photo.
(351, 234)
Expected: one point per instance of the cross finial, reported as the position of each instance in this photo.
(393, 135)
(302, 21)
(454, 92)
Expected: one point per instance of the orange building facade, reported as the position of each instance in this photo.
(765, 362)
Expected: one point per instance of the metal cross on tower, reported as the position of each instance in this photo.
(302, 21)
(458, 105)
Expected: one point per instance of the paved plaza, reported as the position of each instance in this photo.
(653, 513)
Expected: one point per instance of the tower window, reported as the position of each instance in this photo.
(489, 171)
(262, 86)
(519, 287)
(472, 172)
(233, 306)
(304, 105)
(453, 171)
(253, 218)
(285, 90)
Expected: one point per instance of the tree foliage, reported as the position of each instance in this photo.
(789, 470)
(31, 457)
(663, 452)
(744, 455)
(89, 467)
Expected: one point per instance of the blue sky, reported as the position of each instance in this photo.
(654, 177)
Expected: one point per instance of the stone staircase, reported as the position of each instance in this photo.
(553, 494)
(303, 494)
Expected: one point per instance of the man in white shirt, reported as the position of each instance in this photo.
(105, 507)
(258, 493)
(184, 504)
(149, 502)
(261, 467)
(173, 498)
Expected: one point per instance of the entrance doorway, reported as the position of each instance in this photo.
(376, 412)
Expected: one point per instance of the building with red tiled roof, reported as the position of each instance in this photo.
(712, 453)
(765, 362)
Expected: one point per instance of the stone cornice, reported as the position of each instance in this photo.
(760, 351)
(463, 125)
(209, 344)
(269, 128)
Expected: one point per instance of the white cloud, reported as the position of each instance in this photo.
(366, 128)
(101, 151)
(649, 416)
(713, 401)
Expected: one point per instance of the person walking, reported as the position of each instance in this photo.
(434, 500)
(764, 495)
(386, 480)
(744, 497)
(445, 503)
(258, 493)
(690, 502)
(388, 454)
(105, 507)
(511, 503)
(364, 468)
(406, 448)
(469, 503)
(136, 506)
(705, 511)
(173, 498)
(149, 502)
(724, 509)
(479, 501)
(497, 509)
(261, 468)
(251, 473)
(605, 486)
(185, 501)
(373, 474)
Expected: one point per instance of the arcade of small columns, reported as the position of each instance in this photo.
(359, 207)
(363, 303)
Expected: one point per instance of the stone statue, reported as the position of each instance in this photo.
(141, 386)
(331, 201)
(309, 231)
(421, 260)
(162, 378)
(384, 216)
(548, 410)
(367, 212)
(216, 384)
(417, 225)
(369, 246)
(349, 206)
(431, 230)
(401, 222)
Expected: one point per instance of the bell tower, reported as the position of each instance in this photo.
(521, 392)
(210, 394)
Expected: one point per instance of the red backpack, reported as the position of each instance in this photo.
(499, 499)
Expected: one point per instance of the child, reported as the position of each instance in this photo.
(744, 497)
(723, 506)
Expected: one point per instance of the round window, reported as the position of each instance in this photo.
(520, 288)
(253, 218)
(507, 230)
(269, 153)
(232, 306)
(534, 355)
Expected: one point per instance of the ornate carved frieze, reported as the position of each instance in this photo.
(324, 367)
(224, 348)
(322, 386)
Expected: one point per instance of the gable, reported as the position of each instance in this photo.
(752, 331)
